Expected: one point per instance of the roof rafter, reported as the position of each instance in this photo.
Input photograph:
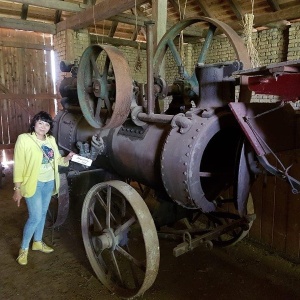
(27, 25)
(24, 11)
(55, 4)
(236, 8)
(99, 12)
(274, 5)
(205, 9)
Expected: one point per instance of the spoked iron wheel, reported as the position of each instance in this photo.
(120, 238)
(210, 28)
(59, 205)
(104, 86)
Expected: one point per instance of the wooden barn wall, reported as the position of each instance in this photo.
(277, 210)
(26, 84)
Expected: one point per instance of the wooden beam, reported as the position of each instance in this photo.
(89, 2)
(116, 42)
(41, 96)
(205, 9)
(101, 11)
(7, 146)
(159, 14)
(57, 17)
(274, 5)
(236, 8)
(290, 13)
(24, 44)
(175, 5)
(129, 19)
(54, 4)
(113, 28)
(24, 11)
(27, 25)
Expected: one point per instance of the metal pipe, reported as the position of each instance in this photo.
(150, 77)
(155, 118)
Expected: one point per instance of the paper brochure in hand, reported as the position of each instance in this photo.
(82, 160)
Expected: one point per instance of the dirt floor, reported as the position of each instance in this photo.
(239, 272)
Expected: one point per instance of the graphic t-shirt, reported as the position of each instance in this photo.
(47, 167)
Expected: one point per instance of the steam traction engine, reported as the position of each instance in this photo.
(200, 155)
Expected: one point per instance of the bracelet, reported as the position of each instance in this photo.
(16, 188)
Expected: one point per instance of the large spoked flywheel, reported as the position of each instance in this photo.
(169, 47)
(104, 86)
(120, 238)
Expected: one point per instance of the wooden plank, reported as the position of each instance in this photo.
(117, 42)
(274, 5)
(130, 19)
(256, 193)
(236, 9)
(293, 213)
(24, 44)
(3, 88)
(17, 97)
(205, 9)
(290, 13)
(267, 214)
(27, 25)
(4, 122)
(13, 130)
(48, 74)
(55, 4)
(24, 11)
(22, 75)
(104, 9)
(7, 146)
(280, 208)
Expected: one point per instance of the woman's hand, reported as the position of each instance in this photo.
(17, 197)
(69, 156)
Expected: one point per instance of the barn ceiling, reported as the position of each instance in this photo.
(124, 19)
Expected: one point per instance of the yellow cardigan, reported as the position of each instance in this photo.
(27, 163)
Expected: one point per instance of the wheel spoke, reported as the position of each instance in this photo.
(204, 50)
(95, 67)
(106, 68)
(98, 109)
(97, 225)
(115, 263)
(125, 226)
(108, 106)
(126, 254)
(177, 57)
(101, 201)
(108, 201)
(208, 39)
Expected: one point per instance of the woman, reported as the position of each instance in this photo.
(36, 178)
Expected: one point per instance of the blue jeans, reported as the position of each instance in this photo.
(37, 206)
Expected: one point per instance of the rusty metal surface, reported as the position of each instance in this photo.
(94, 86)
(197, 165)
(269, 127)
(136, 155)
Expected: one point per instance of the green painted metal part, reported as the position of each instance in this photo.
(104, 98)
(215, 26)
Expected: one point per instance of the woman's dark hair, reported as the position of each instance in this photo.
(43, 116)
